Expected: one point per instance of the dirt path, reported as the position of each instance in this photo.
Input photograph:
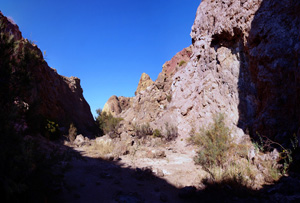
(131, 178)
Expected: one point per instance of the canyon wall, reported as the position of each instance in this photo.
(243, 63)
(37, 90)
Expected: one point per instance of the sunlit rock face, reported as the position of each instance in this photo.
(47, 95)
(145, 81)
(243, 62)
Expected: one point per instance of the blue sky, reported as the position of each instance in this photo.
(107, 44)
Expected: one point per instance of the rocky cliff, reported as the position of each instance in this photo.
(152, 98)
(37, 89)
(244, 63)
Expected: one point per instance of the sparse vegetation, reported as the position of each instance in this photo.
(107, 123)
(103, 148)
(285, 155)
(169, 97)
(142, 131)
(171, 132)
(227, 161)
(51, 130)
(181, 63)
(215, 143)
(157, 133)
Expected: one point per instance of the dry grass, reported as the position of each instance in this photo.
(228, 162)
(102, 148)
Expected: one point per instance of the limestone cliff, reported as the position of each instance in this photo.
(45, 94)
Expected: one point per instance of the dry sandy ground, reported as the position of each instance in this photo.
(132, 177)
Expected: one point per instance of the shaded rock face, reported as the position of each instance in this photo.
(47, 94)
(273, 51)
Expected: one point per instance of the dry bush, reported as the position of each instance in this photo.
(169, 97)
(225, 160)
(215, 142)
(142, 131)
(171, 132)
(72, 132)
(110, 148)
(230, 163)
(103, 147)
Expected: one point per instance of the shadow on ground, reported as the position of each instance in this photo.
(88, 179)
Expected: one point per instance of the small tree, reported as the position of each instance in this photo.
(215, 142)
(107, 123)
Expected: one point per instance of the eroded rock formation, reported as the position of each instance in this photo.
(145, 81)
(244, 63)
(152, 98)
(46, 94)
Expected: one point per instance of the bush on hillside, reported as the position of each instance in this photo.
(143, 130)
(214, 142)
(52, 131)
(171, 132)
(157, 133)
(181, 63)
(107, 123)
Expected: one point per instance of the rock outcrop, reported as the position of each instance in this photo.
(46, 94)
(178, 62)
(145, 81)
(152, 98)
(244, 62)
(115, 105)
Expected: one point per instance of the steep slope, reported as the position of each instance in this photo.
(244, 63)
(37, 89)
(152, 98)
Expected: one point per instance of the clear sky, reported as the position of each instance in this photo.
(107, 44)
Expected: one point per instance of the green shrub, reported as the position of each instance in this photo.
(181, 63)
(107, 123)
(157, 133)
(51, 130)
(214, 141)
